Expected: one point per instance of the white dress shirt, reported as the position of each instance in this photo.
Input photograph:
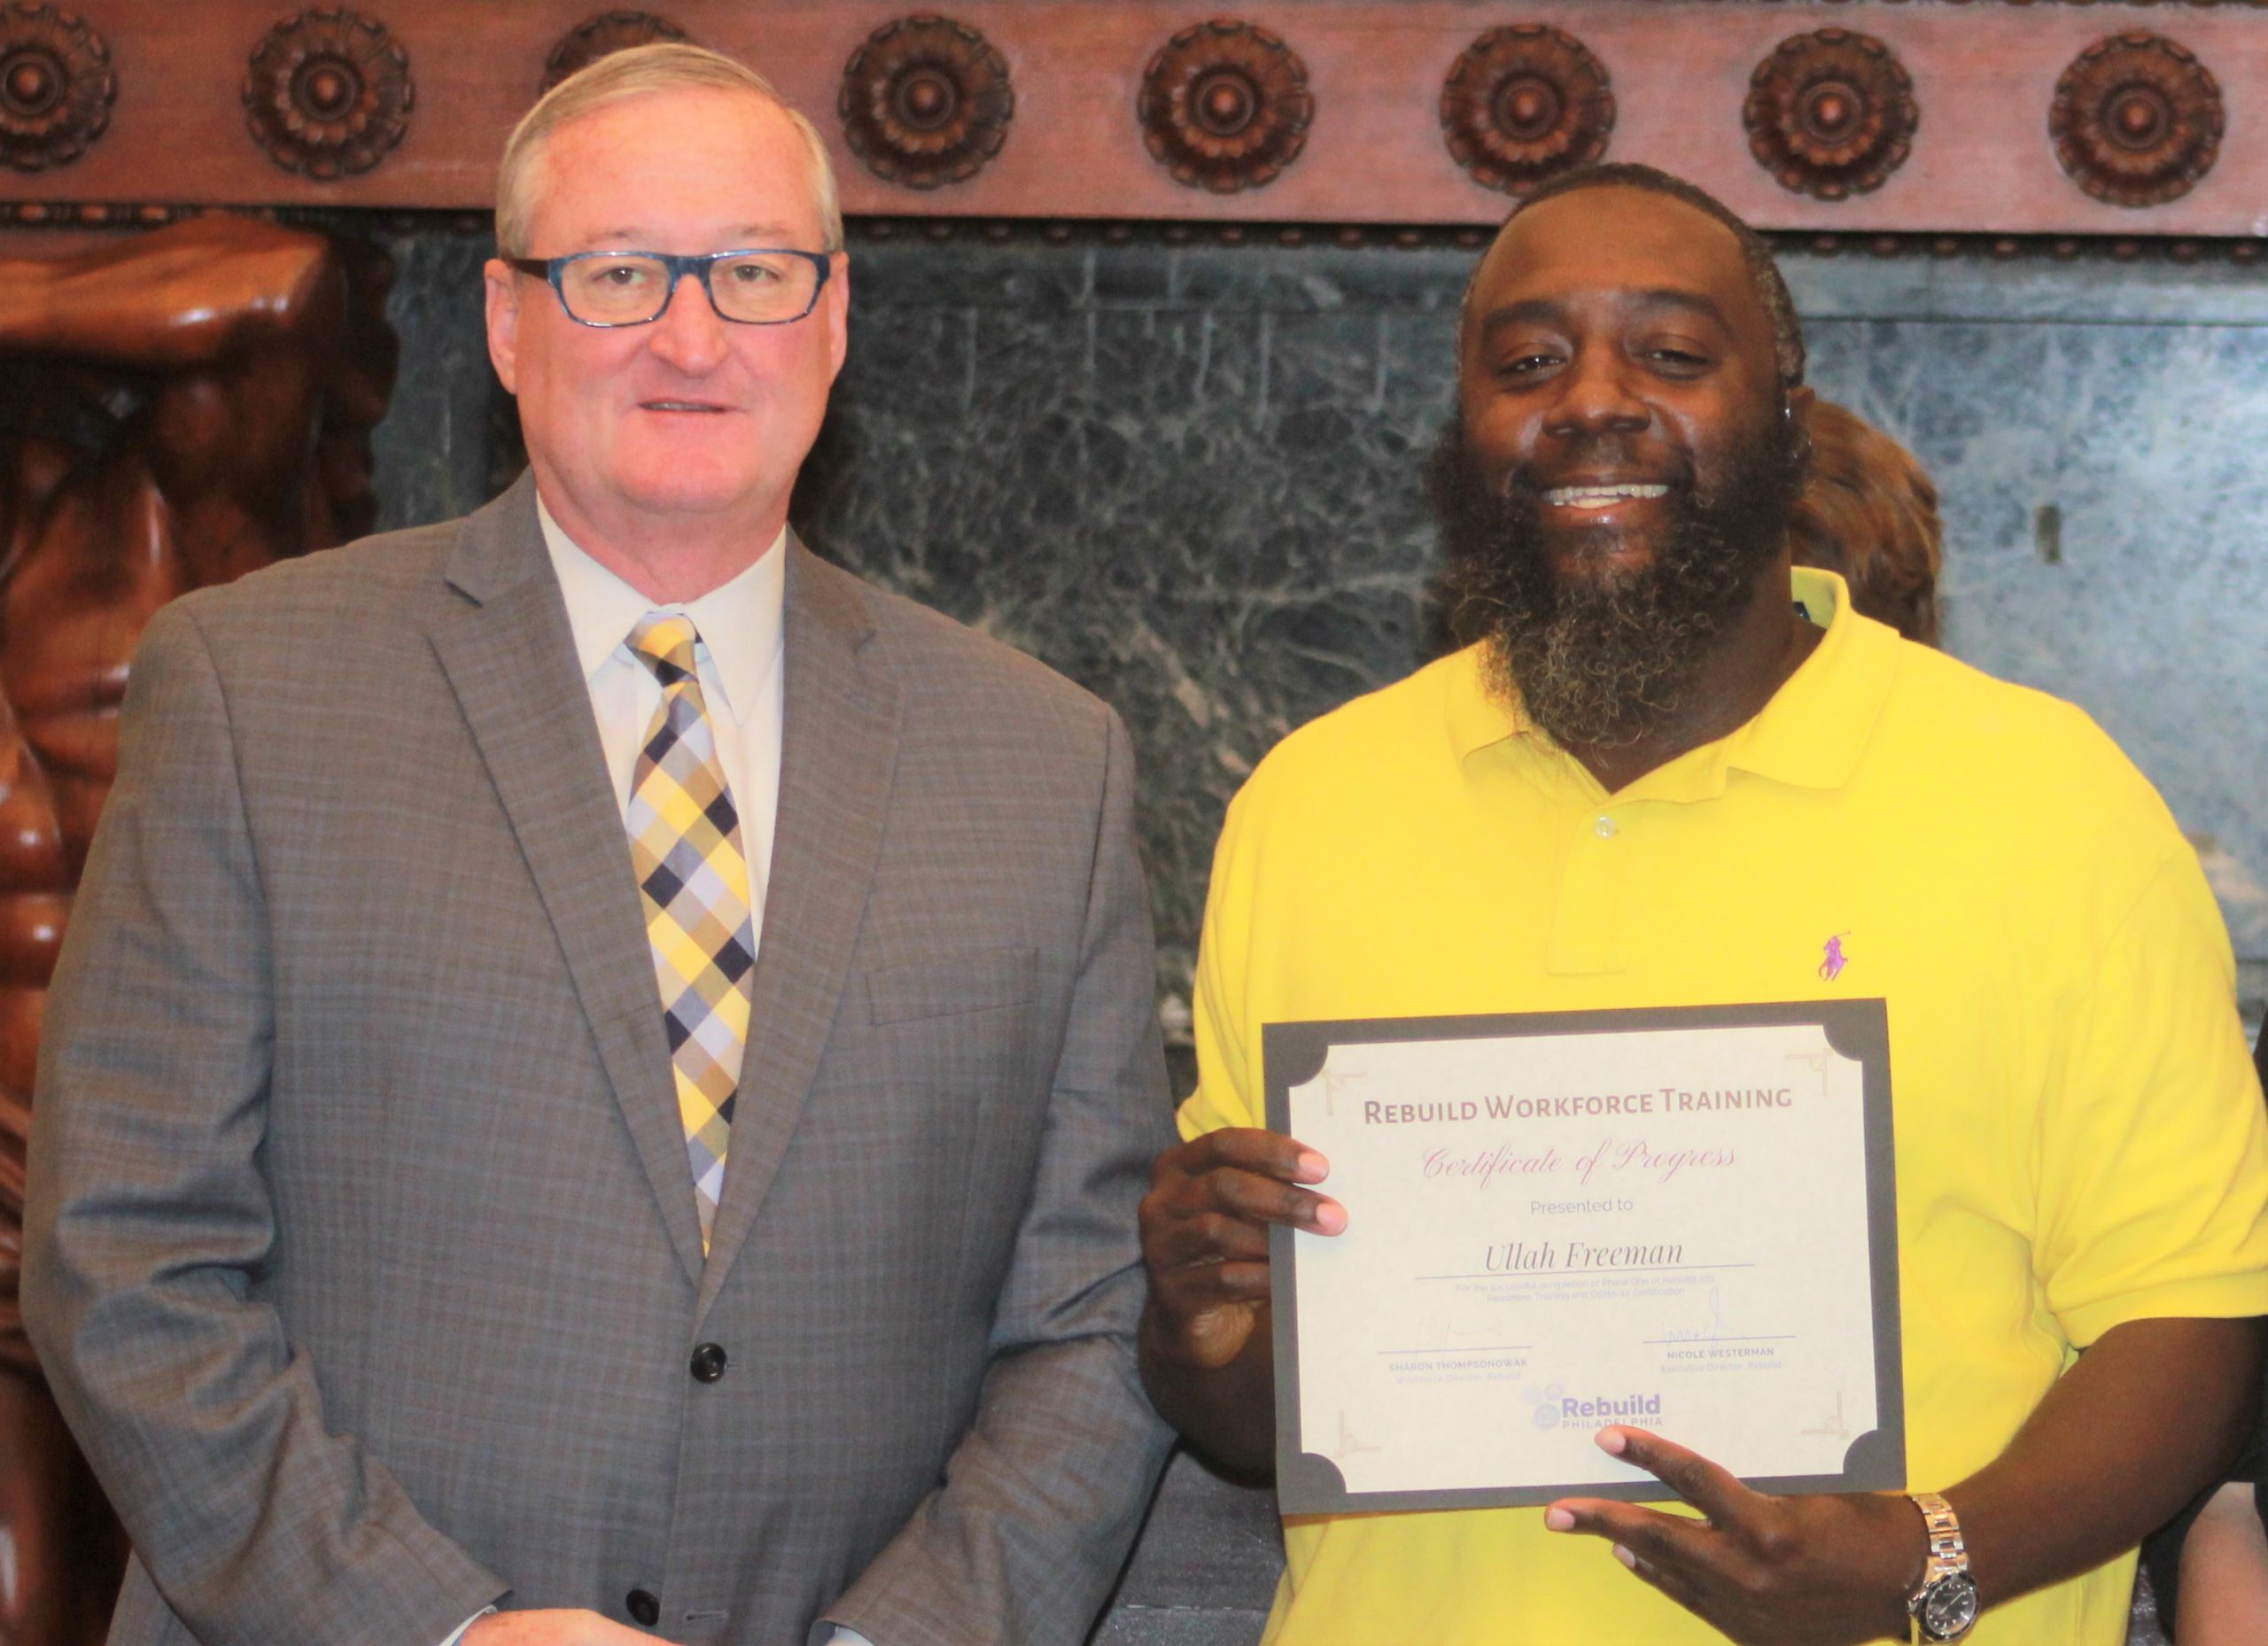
(740, 657)
(741, 660)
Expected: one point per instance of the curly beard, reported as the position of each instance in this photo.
(1602, 662)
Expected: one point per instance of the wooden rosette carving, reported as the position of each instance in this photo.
(2137, 120)
(56, 87)
(925, 102)
(1524, 104)
(328, 93)
(1831, 114)
(1225, 106)
(609, 32)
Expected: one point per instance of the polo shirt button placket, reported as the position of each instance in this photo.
(1586, 936)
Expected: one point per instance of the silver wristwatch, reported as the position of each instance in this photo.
(1943, 1608)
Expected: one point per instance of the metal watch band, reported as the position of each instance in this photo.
(1944, 1568)
(1947, 1552)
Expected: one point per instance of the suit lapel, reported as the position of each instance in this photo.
(509, 656)
(838, 752)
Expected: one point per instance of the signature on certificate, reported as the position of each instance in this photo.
(1717, 1327)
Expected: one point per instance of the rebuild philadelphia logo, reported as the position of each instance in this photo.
(1554, 1407)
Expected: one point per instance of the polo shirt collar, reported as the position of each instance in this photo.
(1478, 715)
(740, 621)
(1816, 727)
(1810, 734)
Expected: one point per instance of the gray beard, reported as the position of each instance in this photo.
(1608, 665)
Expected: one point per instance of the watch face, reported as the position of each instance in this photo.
(1949, 1606)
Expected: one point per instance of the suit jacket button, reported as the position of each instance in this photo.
(708, 1363)
(643, 1607)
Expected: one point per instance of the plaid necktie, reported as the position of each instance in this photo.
(685, 840)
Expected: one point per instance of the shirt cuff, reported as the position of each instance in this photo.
(457, 1634)
(841, 1637)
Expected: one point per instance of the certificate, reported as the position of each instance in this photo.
(1683, 1220)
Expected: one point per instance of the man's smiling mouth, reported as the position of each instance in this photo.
(1600, 496)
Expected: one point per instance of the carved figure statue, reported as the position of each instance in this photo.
(176, 409)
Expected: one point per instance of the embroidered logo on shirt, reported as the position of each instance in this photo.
(1832, 958)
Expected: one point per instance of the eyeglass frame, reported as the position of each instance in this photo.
(699, 264)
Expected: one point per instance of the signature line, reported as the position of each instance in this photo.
(1522, 1274)
(1461, 1349)
(1785, 1337)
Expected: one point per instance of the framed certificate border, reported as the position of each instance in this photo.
(1308, 1482)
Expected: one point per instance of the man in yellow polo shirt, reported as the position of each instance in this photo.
(1669, 772)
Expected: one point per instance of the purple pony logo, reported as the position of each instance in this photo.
(1834, 959)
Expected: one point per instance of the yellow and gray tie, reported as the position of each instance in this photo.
(685, 841)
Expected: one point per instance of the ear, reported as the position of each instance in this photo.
(1796, 406)
(501, 295)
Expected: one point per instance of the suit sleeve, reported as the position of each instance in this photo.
(1043, 1497)
(149, 1221)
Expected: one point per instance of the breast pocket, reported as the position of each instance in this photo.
(928, 1056)
(952, 985)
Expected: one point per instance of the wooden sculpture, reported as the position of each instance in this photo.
(176, 409)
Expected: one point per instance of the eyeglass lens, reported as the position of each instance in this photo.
(762, 286)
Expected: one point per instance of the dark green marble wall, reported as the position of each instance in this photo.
(1188, 478)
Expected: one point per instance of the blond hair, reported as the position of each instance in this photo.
(620, 77)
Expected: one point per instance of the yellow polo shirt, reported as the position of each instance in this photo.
(2080, 1130)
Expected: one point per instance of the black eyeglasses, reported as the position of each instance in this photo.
(763, 287)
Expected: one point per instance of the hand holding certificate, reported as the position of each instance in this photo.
(1818, 1569)
(1205, 1232)
(1633, 1193)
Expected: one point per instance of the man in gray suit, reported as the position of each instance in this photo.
(603, 1069)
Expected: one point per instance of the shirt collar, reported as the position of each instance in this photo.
(1810, 734)
(740, 621)
(1480, 715)
(1817, 725)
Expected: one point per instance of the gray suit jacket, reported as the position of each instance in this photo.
(363, 1248)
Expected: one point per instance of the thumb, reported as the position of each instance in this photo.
(1217, 1335)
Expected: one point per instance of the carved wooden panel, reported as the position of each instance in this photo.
(925, 102)
(1225, 106)
(1831, 114)
(610, 31)
(2137, 120)
(1397, 119)
(175, 409)
(1524, 104)
(56, 87)
(328, 93)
